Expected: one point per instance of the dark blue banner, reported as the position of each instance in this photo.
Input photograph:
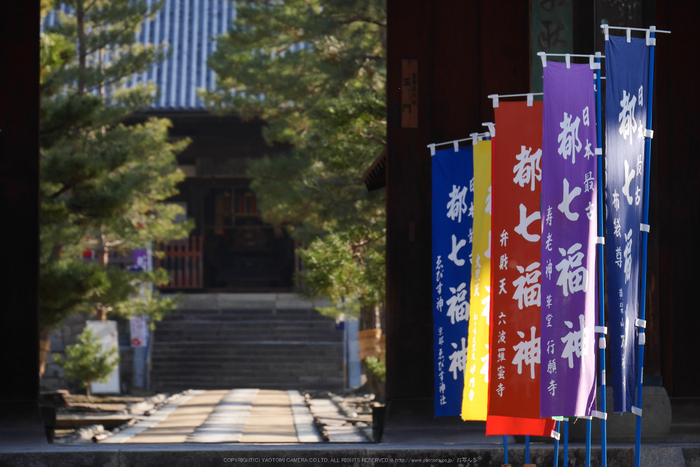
(627, 71)
(453, 215)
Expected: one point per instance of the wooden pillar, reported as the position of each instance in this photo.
(675, 160)
(19, 211)
(463, 51)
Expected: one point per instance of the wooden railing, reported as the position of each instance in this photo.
(183, 260)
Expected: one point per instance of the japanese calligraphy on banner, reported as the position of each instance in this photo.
(476, 378)
(453, 213)
(625, 117)
(569, 223)
(516, 299)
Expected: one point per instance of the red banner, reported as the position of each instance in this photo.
(515, 263)
(496, 425)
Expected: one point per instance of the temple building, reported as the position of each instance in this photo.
(231, 249)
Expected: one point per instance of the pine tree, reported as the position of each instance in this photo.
(86, 362)
(314, 70)
(102, 182)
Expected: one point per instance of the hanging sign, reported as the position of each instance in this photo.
(476, 378)
(569, 223)
(140, 258)
(627, 71)
(453, 213)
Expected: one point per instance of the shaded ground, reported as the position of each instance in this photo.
(242, 416)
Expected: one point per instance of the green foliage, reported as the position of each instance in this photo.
(66, 287)
(376, 368)
(102, 183)
(327, 101)
(86, 362)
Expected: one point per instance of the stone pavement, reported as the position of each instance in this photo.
(222, 416)
(239, 416)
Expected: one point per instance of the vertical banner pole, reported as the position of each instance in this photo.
(566, 443)
(527, 449)
(645, 240)
(601, 274)
(505, 449)
(556, 446)
(588, 442)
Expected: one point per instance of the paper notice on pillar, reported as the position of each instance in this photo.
(108, 336)
(476, 378)
(627, 71)
(453, 213)
(138, 327)
(569, 223)
(516, 298)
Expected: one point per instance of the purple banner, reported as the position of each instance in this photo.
(140, 258)
(627, 71)
(569, 223)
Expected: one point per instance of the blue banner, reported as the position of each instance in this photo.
(453, 215)
(627, 71)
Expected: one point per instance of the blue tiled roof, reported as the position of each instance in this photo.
(190, 28)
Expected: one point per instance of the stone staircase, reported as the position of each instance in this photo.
(265, 341)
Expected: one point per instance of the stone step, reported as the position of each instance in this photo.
(262, 382)
(243, 314)
(288, 357)
(273, 321)
(204, 382)
(247, 346)
(264, 341)
(258, 333)
(301, 363)
(245, 334)
(244, 369)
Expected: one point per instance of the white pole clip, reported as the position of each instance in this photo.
(475, 137)
(432, 149)
(644, 227)
(543, 56)
(593, 64)
(606, 31)
(567, 57)
(494, 98)
(641, 323)
(651, 41)
(492, 128)
(530, 99)
(629, 35)
(456, 145)
(642, 338)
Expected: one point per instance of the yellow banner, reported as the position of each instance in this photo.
(476, 377)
